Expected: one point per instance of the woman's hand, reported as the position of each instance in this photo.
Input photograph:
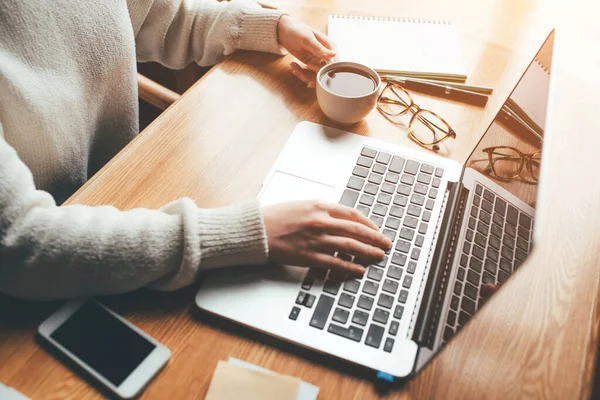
(309, 46)
(308, 233)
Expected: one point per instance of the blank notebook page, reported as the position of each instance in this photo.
(418, 48)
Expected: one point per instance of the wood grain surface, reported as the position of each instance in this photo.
(536, 338)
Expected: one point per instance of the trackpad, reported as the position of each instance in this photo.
(285, 187)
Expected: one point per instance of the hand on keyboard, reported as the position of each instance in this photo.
(309, 233)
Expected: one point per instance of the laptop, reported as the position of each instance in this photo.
(455, 229)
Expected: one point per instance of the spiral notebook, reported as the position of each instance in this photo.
(409, 47)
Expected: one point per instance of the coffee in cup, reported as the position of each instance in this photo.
(347, 91)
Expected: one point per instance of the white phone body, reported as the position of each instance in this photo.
(135, 381)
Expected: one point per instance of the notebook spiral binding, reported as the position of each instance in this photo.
(542, 66)
(394, 19)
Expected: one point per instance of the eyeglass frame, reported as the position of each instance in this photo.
(524, 159)
(415, 110)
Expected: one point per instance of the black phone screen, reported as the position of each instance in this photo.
(103, 342)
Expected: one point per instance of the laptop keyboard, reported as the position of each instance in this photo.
(497, 241)
(398, 195)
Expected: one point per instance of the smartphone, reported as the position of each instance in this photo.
(112, 350)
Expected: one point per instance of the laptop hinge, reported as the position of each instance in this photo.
(438, 279)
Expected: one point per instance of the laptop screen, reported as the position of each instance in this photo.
(509, 153)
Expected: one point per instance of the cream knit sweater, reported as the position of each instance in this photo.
(68, 103)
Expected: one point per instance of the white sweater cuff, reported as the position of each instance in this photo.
(258, 31)
(232, 236)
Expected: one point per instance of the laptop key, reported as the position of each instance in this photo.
(525, 221)
(352, 286)
(403, 190)
(346, 300)
(426, 216)
(393, 223)
(317, 273)
(475, 264)
(380, 209)
(412, 267)
(370, 287)
(412, 167)
(473, 277)
(429, 204)
(366, 199)
(436, 182)
(360, 317)
(495, 242)
(421, 189)
(365, 302)
(420, 238)
(375, 178)
(376, 220)
(403, 296)
(352, 333)
(364, 210)
(388, 188)
(403, 246)
(301, 297)
(439, 172)
(371, 189)
(451, 320)
(471, 291)
(448, 333)
(398, 311)
(508, 241)
(489, 196)
(496, 230)
(396, 211)
(307, 282)
(331, 287)
(488, 278)
(478, 252)
(294, 313)
(472, 222)
(500, 206)
(493, 254)
(340, 315)
(309, 300)
(524, 233)
(480, 239)
(349, 198)
(407, 179)
(375, 273)
(502, 276)
(360, 171)
(433, 193)
(407, 234)
(396, 164)
(485, 217)
(384, 198)
(409, 221)
(368, 152)
(468, 305)
(454, 302)
(512, 215)
(414, 255)
(463, 318)
(486, 205)
(394, 325)
(407, 281)
(477, 200)
(319, 317)
(392, 177)
(374, 336)
(379, 169)
(394, 272)
(461, 273)
(383, 158)
(390, 286)
(458, 287)
(390, 234)
(490, 266)
(381, 316)
(355, 183)
(520, 255)
(424, 178)
(385, 300)
(422, 228)
(413, 210)
(389, 345)
(483, 228)
(505, 265)
(510, 230)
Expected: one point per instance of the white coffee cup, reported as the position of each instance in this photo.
(347, 109)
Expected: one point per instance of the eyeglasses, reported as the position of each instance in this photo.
(506, 164)
(425, 127)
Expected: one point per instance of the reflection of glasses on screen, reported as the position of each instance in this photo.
(425, 127)
(507, 163)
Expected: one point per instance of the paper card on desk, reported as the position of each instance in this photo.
(305, 392)
(8, 393)
(231, 382)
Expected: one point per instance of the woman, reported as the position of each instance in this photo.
(68, 103)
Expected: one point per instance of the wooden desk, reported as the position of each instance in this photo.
(536, 338)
